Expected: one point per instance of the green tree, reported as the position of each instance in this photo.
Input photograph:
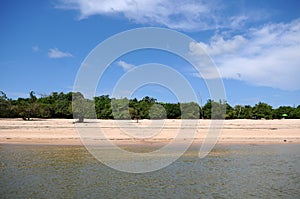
(82, 108)
(215, 110)
(219, 110)
(32, 98)
(24, 108)
(144, 106)
(247, 112)
(134, 109)
(207, 109)
(27, 108)
(5, 105)
(283, 110)
(63, 105)
(190, 110)
(59, 105)
(157, 111)
(263, 110)
(231, 113)
(295, 113)
(173, 110)
(103, 107)
(120, 108)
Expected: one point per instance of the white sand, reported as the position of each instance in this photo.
(65, 132)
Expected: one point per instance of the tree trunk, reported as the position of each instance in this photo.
(80, 119)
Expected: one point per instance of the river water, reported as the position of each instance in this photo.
(229, 171)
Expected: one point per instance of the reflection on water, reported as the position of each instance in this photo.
(230, 171)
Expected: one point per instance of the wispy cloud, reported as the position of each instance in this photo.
(176, 14)
(125, 66)
(265, 56)
(35, 48)
(56, 53)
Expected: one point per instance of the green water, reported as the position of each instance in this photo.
(235, 171)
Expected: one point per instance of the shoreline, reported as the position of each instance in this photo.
(147, 132)
(77, 142)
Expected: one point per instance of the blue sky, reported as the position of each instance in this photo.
(254, 44)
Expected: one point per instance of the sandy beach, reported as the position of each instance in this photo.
(66, 132)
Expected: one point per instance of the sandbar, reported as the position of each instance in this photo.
(68, 132)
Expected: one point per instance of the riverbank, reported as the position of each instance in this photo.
(66, 132)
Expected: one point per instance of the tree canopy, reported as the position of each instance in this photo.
(69, 105)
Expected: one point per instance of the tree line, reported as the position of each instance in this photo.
(63, 105)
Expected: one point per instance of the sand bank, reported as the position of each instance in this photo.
(66, 132)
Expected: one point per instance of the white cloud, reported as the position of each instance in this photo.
(219, 46)
(35, 48)
(176, 14)
(125, 66)
(235, 22)
(266, 56)
(56, 53)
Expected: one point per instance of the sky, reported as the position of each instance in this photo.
(255, 46)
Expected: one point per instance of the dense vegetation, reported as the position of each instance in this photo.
(59, 105)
